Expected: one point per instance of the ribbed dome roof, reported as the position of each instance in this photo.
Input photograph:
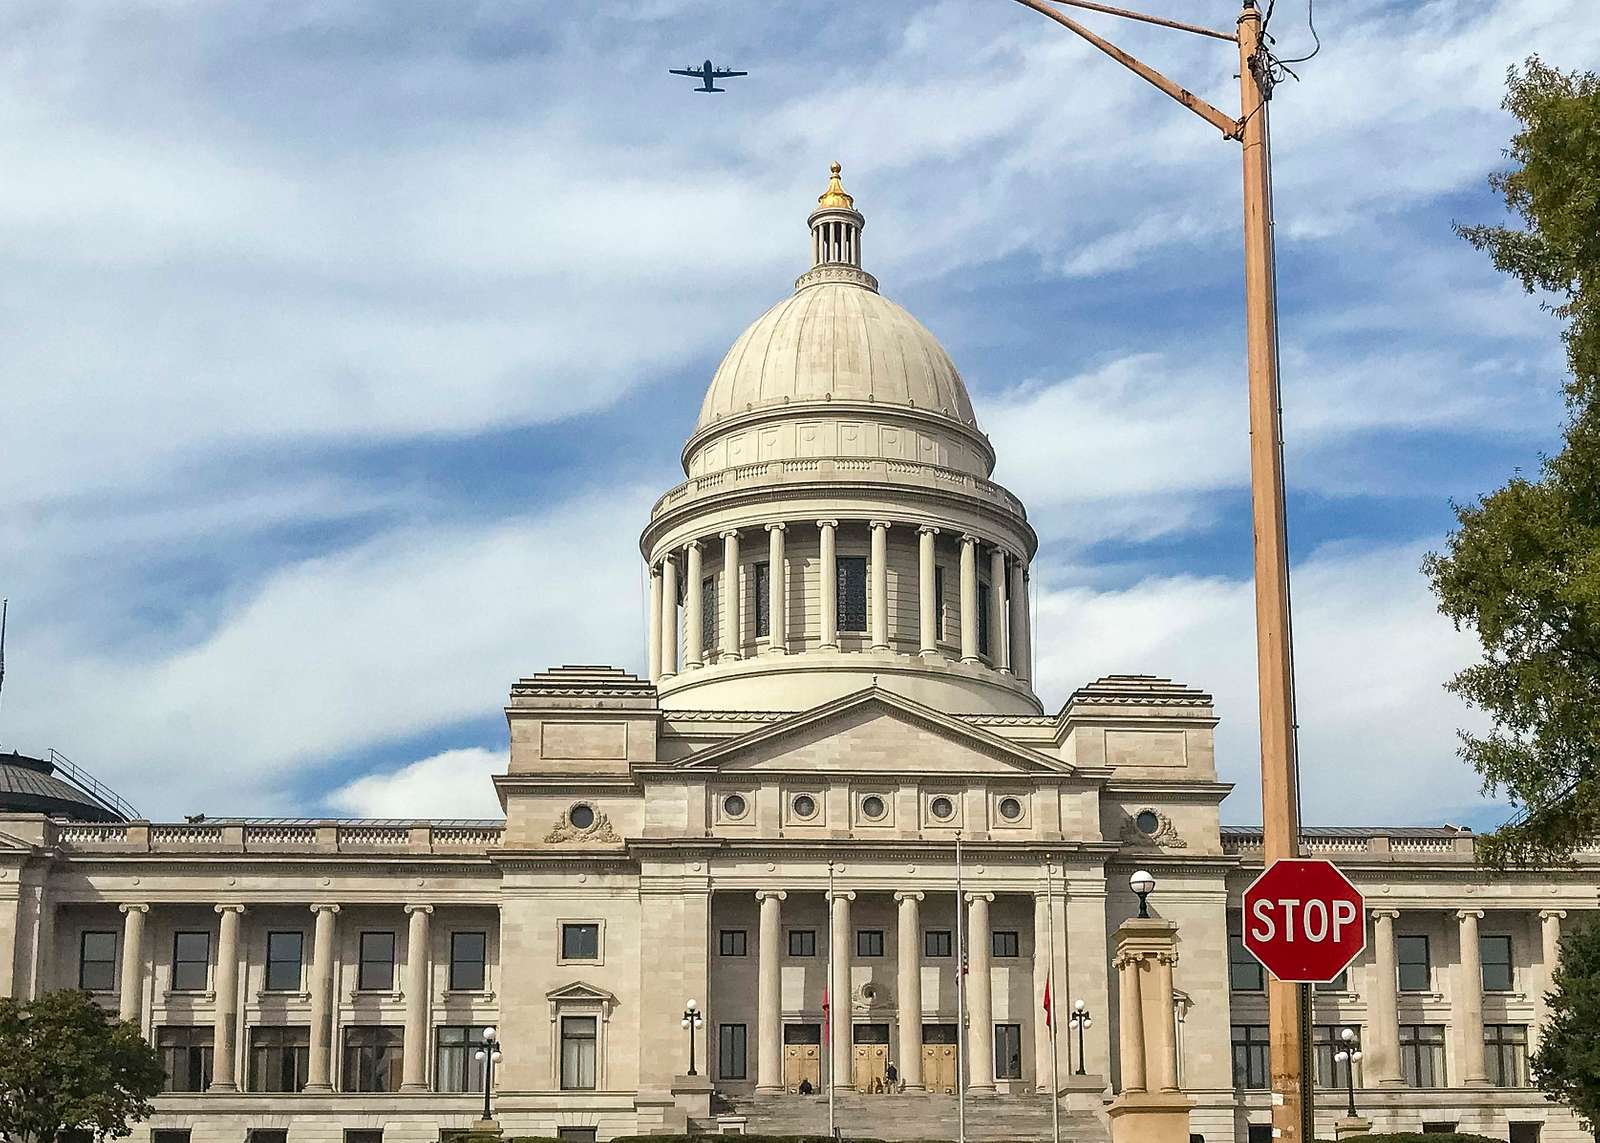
(836, 341)
(29, 786)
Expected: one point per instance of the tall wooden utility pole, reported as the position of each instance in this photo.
(1286, 1003)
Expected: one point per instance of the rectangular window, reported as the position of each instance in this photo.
(941, 612)
(376, 973)
(285, 953)
(869, 942)
(708, 612)
(936, 943)
(97, 962)
(1250, 1063)
(1495, 954)
(577, 1134)
(1422, 1054)
(280, 1057)
(1340, 983)
(169, 1135)
(191, 961)
(454, 1068)
(580, 941)
(763, 600)
(468, 957)
(1005, 943)
(372, 1057)
(1505, 1051)
(577, 1053)
(186, 1052)
(1411, 954)
(267, 1135)
(983, 617)
(1008, 1051)
(733, 942)
(852, 605)
(731, 1051)
(363, 1135)
(1245, 973)
(802, 942)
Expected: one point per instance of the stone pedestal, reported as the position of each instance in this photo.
(1084, 1093)
(1149, 1117)
(486, 1127)
(1351, 1126)
(691, 1095)
(1150, 1108)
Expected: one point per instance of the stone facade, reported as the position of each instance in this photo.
(835, 769)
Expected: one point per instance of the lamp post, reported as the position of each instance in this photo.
(1287, 1004)
(1080, 1019)
(490, 1055)
(1143, 884)
(1348, 1055)
(692, 1020)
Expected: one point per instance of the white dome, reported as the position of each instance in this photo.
(836, 341)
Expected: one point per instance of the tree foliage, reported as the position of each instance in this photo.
(65, 1063)
(1567, 1064)
(1523, 567)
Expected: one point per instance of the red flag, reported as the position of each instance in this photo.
(827, 1024)
(1049, 1015)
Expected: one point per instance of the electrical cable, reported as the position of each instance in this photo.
(1315, 39)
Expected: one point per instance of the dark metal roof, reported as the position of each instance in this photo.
(29, 786)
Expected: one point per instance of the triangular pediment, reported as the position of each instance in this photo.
(874, 730)
(579, 992)
(10, 844)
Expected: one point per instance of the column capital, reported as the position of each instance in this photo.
(827, 523)
(771, 894)
(1385, 914)
(324, 907)
(884, 524)
(1464, 914)
(695, 545)
(729, 534)
(972, 897)
(229, 908)
(910, 895)
(842, 895)
(655, 569)
(927, 530)
(969, 538)
(1552, 914)
(133, 908)
(777, 527)
(418, 909)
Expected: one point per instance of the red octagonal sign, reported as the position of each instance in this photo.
(1304, 921)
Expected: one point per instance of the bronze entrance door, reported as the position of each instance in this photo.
(940, 1059)
(802, 1056)
(870, 1058)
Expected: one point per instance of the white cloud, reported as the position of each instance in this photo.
(454, 784)
(1377, 729)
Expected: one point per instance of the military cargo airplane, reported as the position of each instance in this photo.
(706, 73)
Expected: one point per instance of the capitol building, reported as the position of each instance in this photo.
(840, 691)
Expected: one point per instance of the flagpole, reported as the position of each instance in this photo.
(827, 1014)
(1050, 975)
(961, 1006)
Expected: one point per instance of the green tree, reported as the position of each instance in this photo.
(1567, 1064)
(1523, 567)
(65, 1063)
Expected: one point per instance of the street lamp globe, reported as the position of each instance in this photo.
(489, 1034)
(1348, 1035)
(1143, 883)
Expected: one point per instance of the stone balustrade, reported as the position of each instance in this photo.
(1392, 843)
(276, 837)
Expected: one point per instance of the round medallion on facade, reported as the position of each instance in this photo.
(734, 806)
(1148, 822)
(804, 806)
(873, 808)
(580, 815)
(1011, 809)
(942, 808)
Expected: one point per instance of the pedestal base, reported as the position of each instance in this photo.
(1150, 1117)
(486, 1127)
(1351, 1126)
(692, 1095)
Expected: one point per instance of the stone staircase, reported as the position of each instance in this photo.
(918, 1115)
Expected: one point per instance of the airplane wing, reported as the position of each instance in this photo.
(721, 73)
(682, 71)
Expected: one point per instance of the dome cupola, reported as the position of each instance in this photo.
(838, 528)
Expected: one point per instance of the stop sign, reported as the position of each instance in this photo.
(1304, 921)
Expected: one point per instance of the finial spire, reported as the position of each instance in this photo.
(835, 195)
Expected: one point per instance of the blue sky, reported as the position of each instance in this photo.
(347, 344)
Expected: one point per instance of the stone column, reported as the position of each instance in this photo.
(669, 617)
(1166, 1024)
(839, 990)
(414, 1062)
(694, 619)
(927, 582)
(908, 988)
(828, 584)
(999, 654)
(777, 610)
(1131, 1021)
(769, 992)
(1468, 1004)
(320, 1074)
(130, 1000)
(980, 1006)
(653, 650)
(1017, 597)
(731, 634)
(1041, 975)
(225, 1031)
(878, 604)
(1550, 939)
(969, 599)
(1381, 1045)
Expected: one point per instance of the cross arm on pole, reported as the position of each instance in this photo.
(1229, 126)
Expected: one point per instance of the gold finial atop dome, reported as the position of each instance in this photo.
(835, 194)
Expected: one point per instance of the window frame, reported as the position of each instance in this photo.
(761, 603)
(1240, 960)
(292, 1048)
(985, 636)
(380, 1061)
(807, 941)
(866, 941)
(1002, 1062)
(1250, 1045)
(941, 612)
(471, 1070)
(1002, 939)
(934, 937)
(179, 965)
(364, 961)
(1502, 1045)
(708, 613)
(198, 1046)
(1404, 941)
(848, 585)
(1415, 1047)
(111, 964)
(1502, 940)
(268, 964)
(593, 1039)
(577, 925)
(457, 961)
(733, 1044)
(733, 942)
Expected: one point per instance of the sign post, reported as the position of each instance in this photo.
(1304, 921)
